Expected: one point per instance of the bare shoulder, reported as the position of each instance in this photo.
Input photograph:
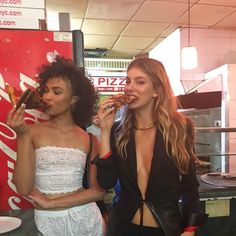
(78, 131)
(93, 137)
(85, 136)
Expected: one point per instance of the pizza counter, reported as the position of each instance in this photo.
(219, 202)
(10, 228)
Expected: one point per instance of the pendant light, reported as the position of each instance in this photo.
(189, 57)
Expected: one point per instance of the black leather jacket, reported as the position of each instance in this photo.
(165, 190)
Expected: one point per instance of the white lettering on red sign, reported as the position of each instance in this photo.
(108, 81)
(7, 133)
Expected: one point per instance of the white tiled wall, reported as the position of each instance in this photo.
(232, 115)
(215, 48)
(212, 46)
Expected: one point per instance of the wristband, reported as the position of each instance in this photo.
(190, 229)
(107, 155)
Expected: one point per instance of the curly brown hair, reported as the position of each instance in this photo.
(81, 85)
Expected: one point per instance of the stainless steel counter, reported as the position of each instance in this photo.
(215, 129)
(210, 191)
(218, 225)
(207, 192)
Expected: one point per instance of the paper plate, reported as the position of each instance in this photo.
(8, 223)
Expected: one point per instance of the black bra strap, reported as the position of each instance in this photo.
(87, 167)
(90, 146)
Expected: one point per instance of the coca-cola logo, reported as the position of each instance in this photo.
(8, 139)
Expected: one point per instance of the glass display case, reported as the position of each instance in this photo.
(215, 138)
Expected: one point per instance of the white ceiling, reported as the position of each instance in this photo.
(128, 28)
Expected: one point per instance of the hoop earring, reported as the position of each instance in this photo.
(73, 106)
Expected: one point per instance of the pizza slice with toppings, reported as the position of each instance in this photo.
(30, 98)
(121, 99)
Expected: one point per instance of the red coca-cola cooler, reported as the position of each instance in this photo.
(21, 53)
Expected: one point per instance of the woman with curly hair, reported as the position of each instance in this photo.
(149, 152)
(51, 155)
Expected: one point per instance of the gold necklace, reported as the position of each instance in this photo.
(146, 128)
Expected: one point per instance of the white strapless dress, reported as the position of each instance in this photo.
(61, 170)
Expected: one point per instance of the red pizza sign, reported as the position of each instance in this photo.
(109, 83)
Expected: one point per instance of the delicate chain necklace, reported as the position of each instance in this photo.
(146, 128)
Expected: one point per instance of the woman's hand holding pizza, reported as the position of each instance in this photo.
(16, 120)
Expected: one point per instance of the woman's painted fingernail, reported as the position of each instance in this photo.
(23, 105)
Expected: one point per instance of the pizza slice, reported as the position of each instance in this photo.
(30, 98)
(121, 99)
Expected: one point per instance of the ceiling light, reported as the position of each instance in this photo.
(189, 57)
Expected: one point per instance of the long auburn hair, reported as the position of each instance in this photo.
(171, 123)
